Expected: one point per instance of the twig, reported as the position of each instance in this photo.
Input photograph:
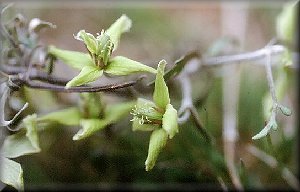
(61, 88)
(249, 56)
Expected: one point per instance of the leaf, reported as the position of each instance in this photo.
(121, 25)
(87, 74)
(74, 59)
(88, 39)
(136, 126)
(120, 65)
(89, 127)
(158, 140)
(19, 144)
(117, 111)
(161, 92)
(11, 173)
(178, 66)
(70, 116)
(169, 121)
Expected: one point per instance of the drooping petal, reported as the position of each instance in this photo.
(120, 65)
(121, 25)
(158, 140)
(89, 127)
(169, 122)
(69, 116)
(87, 74)
(161, 92)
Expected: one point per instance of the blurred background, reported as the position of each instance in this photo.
(114, 157)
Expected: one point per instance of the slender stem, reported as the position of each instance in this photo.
(249, 56)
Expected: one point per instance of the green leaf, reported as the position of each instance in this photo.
(88, 39)
(11, 173)
(70, 116)
(19, 144)
(121, 25)
(169, 121)
(117, 111)
(157, 142)
(136, 126)
(89, 127)
(74, 59)
(161, 92)
(87, 74)
(120, 65)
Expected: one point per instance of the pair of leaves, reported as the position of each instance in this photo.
(22, 143)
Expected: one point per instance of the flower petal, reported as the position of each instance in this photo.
(88, 39)
(161, 92)
(169, 121)
(89, 127)
(121, 25)
(158, 140)
(69, 116)
(74, 59)
(87, 74)
(120, 65)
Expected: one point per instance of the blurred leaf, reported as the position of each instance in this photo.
(158, 140)
(121, 25)
(88, 39)
(179, 65)
(19, 144)
(11, 173)
(169, 121)
(286, 22)
(70, 116)
(161, 92)
(89, 127)
(87, 74)
(120, 65)
(74, 59)
(117, 111)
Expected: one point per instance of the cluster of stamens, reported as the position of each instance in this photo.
(141, 113)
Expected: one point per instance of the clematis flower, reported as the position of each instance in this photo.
(159, 116)
(98, 60)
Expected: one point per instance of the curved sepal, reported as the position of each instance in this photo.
(169, 121)
(87, 74)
